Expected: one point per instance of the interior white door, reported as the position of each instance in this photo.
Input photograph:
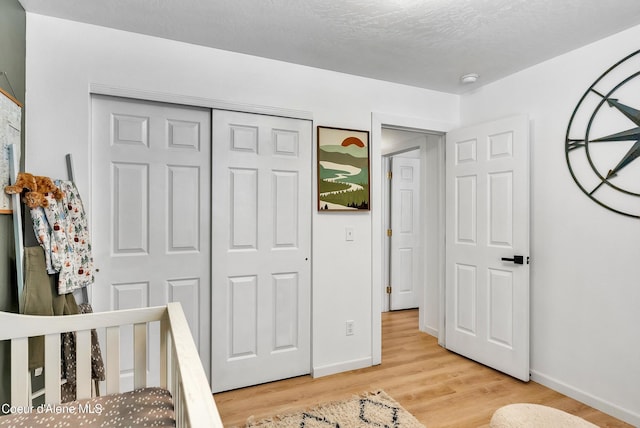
(151, 213)
(261, 295)
(406, 268)
(487, 212)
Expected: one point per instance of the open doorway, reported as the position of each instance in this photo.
(412, 222)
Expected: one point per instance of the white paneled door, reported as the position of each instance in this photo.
(151, 212)
(487, 244)
(406, 249)
(261, 209)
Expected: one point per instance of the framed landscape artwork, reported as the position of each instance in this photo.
(343, 169)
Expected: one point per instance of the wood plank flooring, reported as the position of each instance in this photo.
(438, 387)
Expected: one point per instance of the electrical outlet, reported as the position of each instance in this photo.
(350, 328)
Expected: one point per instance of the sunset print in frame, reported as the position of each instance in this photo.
(343, 169)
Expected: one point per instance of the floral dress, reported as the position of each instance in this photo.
(62, 230)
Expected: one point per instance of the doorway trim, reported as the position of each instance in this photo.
(378, 121)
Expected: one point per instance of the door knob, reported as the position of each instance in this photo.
(518, 260)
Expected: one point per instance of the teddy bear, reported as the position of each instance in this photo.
(46, 185)
(37, 187)
(35, 200)
(24, 180)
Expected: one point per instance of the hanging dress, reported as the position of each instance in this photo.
(61, 228)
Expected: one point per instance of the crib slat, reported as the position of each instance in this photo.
(173, 373)
(83, 364)
(52, 368)
(140, 355)
(164, 338)
(113, 360)
(178, 401)
(181, 418)
(20, 369)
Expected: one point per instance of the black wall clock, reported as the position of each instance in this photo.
(603, 139)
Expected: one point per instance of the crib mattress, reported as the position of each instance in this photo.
(144, 407)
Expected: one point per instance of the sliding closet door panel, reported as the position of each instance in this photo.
(151, 212)
(261, 295)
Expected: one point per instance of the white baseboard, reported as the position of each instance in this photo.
(586, 398)
(429, 330)
(341, 367)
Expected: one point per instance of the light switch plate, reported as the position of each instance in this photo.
(349, 234)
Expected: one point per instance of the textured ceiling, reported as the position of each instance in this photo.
(424, 43)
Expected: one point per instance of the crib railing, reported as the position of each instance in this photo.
(181, 371)
(188, 378)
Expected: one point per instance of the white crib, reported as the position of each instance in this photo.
(181, 371)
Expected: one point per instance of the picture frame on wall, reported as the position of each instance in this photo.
(343, 170)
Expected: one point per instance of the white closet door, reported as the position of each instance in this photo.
(151, 212)
(261, 295)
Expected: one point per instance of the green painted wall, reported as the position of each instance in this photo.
(12, 62)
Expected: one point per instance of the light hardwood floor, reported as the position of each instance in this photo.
(438, 387)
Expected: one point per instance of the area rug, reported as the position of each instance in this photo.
(375, 409)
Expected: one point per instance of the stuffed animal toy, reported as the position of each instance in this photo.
(35, 200)
(46, 185)
(24, 180)
(37, 187)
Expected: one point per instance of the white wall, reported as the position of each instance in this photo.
(65, 58)
(585, 287)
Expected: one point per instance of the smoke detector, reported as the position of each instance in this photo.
(469, 78)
